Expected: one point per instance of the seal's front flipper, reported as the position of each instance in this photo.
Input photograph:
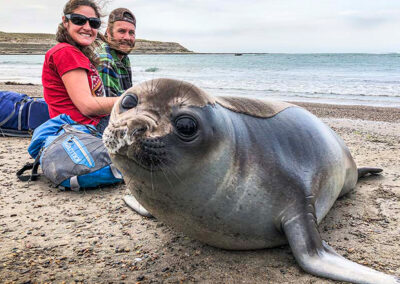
(317, 258)
(131, 201)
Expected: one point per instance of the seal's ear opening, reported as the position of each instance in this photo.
(128, 102)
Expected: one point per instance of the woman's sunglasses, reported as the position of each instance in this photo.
(80, 20)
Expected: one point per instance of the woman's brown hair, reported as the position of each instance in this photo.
(62, 34)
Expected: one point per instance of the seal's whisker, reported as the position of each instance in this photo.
(151, 177)
(141, 159)
(156, 88)
(166, 177)
(172, 171)
(181, 98)
(164, 169)
(150, 86)
(129, 183)
(176, 98)
(186, 96)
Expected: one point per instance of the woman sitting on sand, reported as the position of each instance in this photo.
(70, 80)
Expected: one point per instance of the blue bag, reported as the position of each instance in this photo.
(71, 155)
(21, 114)
(49, 130)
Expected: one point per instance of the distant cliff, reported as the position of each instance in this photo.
(35, 43)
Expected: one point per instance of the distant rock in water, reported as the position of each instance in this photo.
(151, 69)
(36, 43)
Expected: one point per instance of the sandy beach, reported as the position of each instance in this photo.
(51, 236)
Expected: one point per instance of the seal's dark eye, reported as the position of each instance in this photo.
(186, 126)
(129, 101)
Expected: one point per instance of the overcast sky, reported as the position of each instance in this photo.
(292, 26)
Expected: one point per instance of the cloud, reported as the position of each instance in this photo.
(30, 16)
(238, 25)
(370, 19)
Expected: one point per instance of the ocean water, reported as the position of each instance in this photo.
(361, 79)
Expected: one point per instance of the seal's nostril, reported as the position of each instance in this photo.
(138, 131)
(143, 129)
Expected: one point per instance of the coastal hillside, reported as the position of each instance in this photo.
(36, 43)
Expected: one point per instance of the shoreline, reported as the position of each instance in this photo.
(373, 113)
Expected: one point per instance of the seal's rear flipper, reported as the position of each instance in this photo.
(364, 171)
(317, 258)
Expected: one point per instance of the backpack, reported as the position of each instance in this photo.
(21, 114)
(71, 155)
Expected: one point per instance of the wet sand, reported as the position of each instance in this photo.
(47, 235)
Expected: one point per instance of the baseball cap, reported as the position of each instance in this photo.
(122, 14)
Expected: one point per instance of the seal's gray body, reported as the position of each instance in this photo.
(260, 169)
(243, 182)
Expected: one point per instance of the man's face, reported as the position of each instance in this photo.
(122, 36)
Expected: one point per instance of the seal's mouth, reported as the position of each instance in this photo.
(150, 154)
(147, 153)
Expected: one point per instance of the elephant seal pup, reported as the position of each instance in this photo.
(235, 173)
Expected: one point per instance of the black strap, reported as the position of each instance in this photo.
(34, 166)
(69, 128)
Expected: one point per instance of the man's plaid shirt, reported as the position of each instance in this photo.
(115, 73)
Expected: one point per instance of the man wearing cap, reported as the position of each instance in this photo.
(115, 68)
(113, 49)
